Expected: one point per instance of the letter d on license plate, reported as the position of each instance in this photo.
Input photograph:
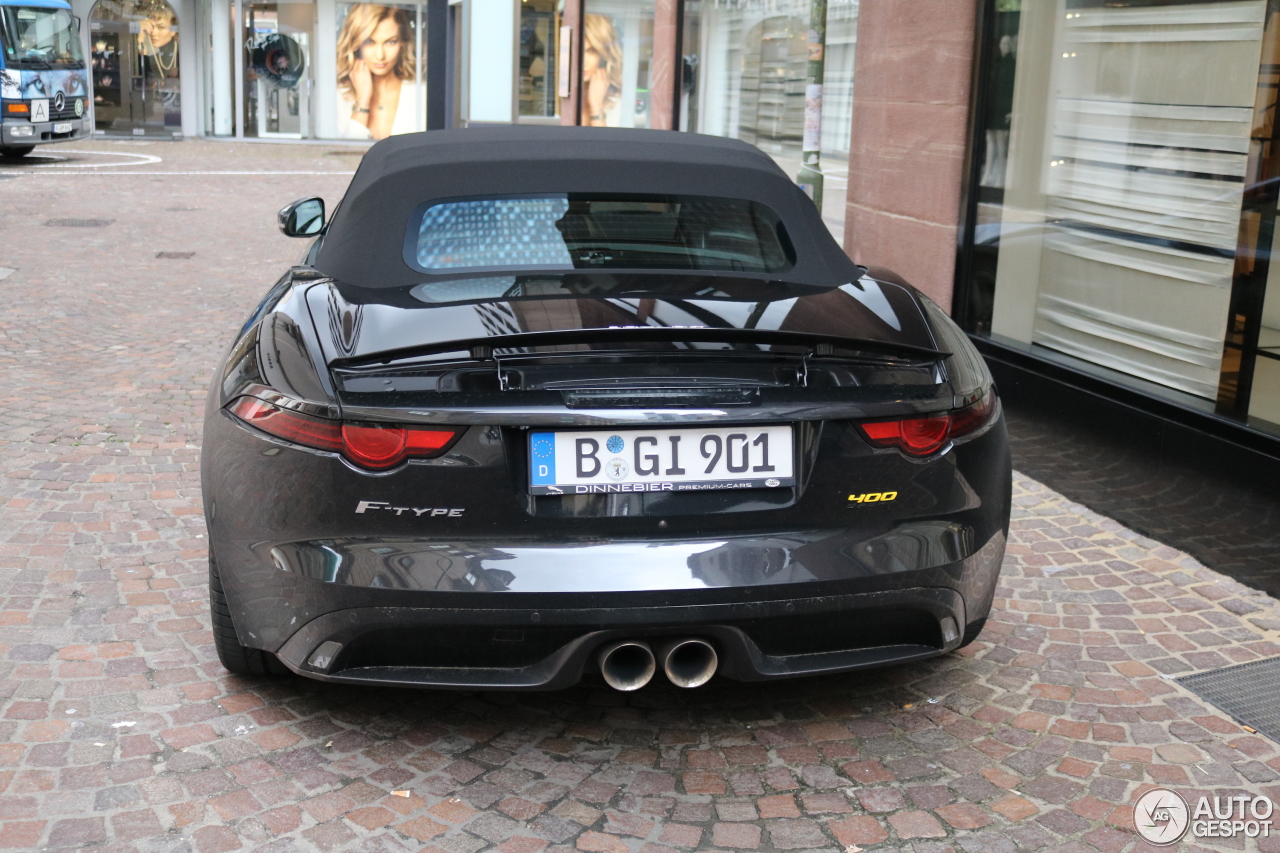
(660, 460)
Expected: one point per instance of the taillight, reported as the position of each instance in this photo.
(914, 436)
(367, 445)
(970, 418)
(384, 446)
(291, 426)
(927, 435)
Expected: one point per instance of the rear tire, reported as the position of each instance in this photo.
(235, 658)
(16, 151)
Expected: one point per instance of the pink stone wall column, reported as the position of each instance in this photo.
(572, 17)
(664, 65)
(910, 125)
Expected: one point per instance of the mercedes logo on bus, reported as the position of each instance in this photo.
(59, 101)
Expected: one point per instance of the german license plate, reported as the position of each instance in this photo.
(660, 460)
(63, 127)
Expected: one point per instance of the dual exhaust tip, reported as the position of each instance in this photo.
(630, 664)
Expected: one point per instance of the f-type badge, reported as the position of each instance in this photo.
(369, 506)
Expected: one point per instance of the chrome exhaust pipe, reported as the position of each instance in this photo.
(627, 665)
(689, 663)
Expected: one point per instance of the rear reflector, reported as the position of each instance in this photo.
(927, 435)
(367, 445)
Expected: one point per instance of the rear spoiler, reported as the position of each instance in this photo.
(483, 348)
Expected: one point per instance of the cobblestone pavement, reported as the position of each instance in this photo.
(1229, 526)
(120, 731)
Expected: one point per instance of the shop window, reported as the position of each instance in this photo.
(1254, 385)
(350, 71)
(1264, 402)
(539, 48)
(617, 59)
(134, 53)
(744, 72)
(346, 71)
(277, 69)
(1115, 157)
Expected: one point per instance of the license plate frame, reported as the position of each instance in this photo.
(699, 459)
(62, 127)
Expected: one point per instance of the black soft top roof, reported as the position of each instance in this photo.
(364, 245)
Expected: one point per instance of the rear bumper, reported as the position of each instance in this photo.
(751, 638)
(465, 583)
(329, 615)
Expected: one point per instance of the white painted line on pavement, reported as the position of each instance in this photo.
(142, 160)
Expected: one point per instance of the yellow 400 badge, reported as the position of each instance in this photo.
(872, 497)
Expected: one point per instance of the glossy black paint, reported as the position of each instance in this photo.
(294, 553)
(446, 571)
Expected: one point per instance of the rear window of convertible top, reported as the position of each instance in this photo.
(589, 231)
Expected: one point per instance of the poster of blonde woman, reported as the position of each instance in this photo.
(378, 89)
(601, 72)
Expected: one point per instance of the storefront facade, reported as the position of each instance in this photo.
(1120, 216)
(346, 71)
(246, 69)
(1091, 182)
(142, 61)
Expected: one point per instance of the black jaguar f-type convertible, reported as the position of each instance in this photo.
(543, 401)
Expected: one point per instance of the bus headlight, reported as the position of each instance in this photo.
(21, 130)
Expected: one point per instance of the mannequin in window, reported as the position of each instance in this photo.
(1000, 115)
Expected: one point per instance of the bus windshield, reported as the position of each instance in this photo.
(36, 38)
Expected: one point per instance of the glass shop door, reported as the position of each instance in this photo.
(278, 69)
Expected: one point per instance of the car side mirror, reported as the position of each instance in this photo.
(303, 218)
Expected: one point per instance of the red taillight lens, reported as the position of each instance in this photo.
(384, 446)
(291, 426)
(376, 447)
(925, 436)
(371, 446)
(915, 436)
